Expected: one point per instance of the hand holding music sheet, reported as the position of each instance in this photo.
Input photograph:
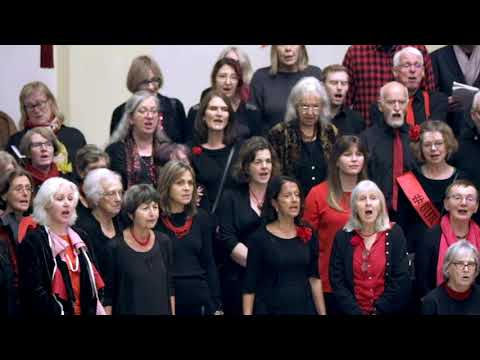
(464, 93)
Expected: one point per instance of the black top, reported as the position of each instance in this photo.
(71, 137)
(438, 108)
(348, 122)
(397, 290)
(378, 140)
(238, 221)
(209, 167)
(311, 169)
(133, 277)
(7, 291)
(247, 120)
(408, 218)
(467, 154)
(270, 93)
(447, 70)
(174, 119)
(96, 240)
(438, 302)
(278, 272)
(194, 270)
(118, 163)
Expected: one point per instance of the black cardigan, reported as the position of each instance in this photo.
(397, 280)
(35, 264)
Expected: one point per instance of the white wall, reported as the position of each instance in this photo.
(19, 65)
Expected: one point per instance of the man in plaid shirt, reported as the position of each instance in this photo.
(370, 67)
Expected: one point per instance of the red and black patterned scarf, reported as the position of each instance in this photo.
(134, 162)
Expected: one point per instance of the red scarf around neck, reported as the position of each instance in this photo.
(39, 177)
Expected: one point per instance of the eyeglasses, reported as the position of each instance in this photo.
(428, 145)
(458, 198)
(111, 194)
(460, 265)
(40, 105)
(408, 66)
(145, 83)
(47, 144)
(145, 111)
(306, 108)
(20, 188)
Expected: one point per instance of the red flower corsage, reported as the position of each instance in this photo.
(414, 132)
(197, 150)
(304, 233)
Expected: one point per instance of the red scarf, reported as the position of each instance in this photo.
(179, 231)
(411, 114)
(448, 238)
(133, 162)
(39, 177)
(455, 295)
(397, 166)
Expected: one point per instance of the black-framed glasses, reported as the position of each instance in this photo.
(40, 105)
(47, 144)
(147, 82)
(460, 265)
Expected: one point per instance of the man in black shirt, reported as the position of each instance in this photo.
(347, 121)
(409, 70)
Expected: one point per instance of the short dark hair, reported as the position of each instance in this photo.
(333, 69)
(89, 154)
(247, 154)
(137, 195)
(234, 64)
(273, 190)
(7, 179)
(201, 130)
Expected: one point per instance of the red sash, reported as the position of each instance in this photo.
(410, 113)
(419, 199)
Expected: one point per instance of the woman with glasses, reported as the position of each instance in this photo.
(461, 202)
(134, 146)
(303, 141)
(458, 294)
(139, 272)
(369, 260)
(145, 75)
(103, 191)
(16, 188)
(38, 108)
(271, 86)
(226, 78)
(42, 151)
(282, 275)
(433, 147)
(327, 206)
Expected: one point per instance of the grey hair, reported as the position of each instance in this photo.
(457, 250)
(306, 86)
(407, 50)
(130, 107)
(244, 61)
(93, 183)
(389, 84)
(382, 222)
(44, 199)
(476, 101)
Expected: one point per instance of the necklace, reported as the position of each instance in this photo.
(140, 242)
(69, 262)
(257, 202)
(307, 138)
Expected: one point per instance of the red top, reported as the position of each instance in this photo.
(369, 272)
(370, 67)
(74, 275)
(325, 221)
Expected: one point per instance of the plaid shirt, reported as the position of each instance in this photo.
(369, 68)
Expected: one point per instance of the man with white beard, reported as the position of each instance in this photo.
(388, 143)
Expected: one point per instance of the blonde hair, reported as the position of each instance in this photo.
(274, 63)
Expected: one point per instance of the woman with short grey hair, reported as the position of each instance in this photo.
(369, 260)
(103, 191)
(138, 273)
(304, 141)
(459, 294)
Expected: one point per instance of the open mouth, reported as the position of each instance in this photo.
(462, 211)
(368, 212)
(338, 96)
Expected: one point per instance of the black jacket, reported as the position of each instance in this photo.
(447, 70)
(174, 118)
(438, 108)
(378, 140)
(397, 281)
(36, 265)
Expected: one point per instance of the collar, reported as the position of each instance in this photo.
(389, 130)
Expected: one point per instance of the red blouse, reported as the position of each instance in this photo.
(369, 272)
